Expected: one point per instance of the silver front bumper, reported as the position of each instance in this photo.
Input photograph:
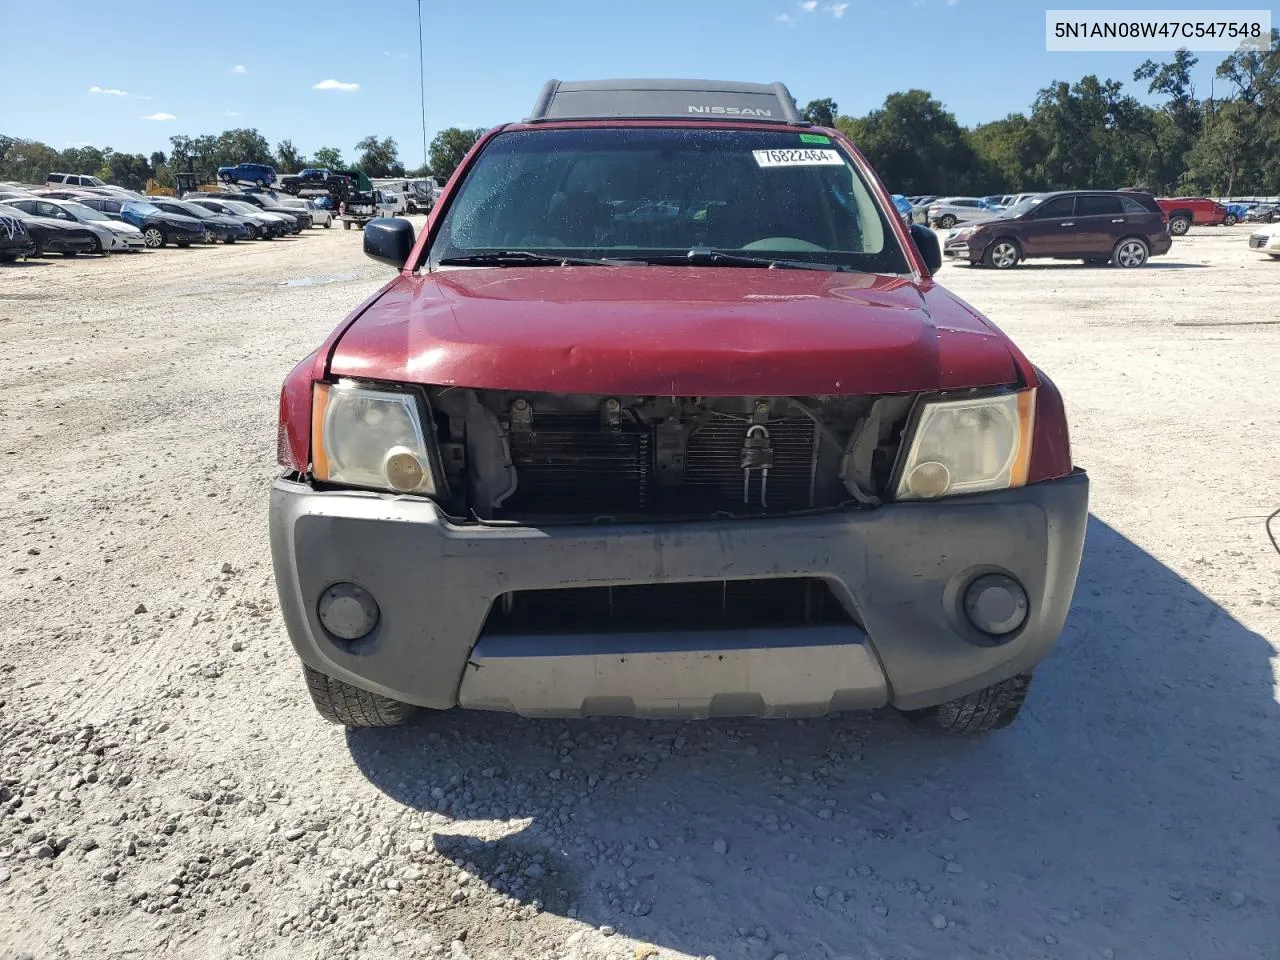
(899, 571)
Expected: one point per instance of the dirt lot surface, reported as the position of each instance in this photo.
(166, 789)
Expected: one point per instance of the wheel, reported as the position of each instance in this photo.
(1178, 226)
(1130, 252)
(990, 708)
(229, 240)
(97, 247)
(1230, 221)
(1002, 254)
(260, 183)
(254, 232)
(39, 250)
(183, 242)
(328, 224)
(340, 702)
(947, 222)
(154, 238)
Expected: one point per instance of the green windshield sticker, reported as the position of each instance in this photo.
(814, 138)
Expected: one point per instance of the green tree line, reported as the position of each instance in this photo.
(1090, 133)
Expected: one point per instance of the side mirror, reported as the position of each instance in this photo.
(926, 242)
(389, 240)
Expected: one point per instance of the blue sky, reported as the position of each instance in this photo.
(211, 68)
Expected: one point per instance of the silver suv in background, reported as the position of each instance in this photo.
(946, 212)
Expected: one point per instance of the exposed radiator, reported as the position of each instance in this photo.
(568, 463)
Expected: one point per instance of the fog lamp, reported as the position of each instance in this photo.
(348, 611)
(996, 604)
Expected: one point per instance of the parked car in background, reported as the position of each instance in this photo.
(320, 217)
(224, 228)
(113, 236)
(320, 177)
(1235, 213)
(51, 235)
(257, 173)
(1184, 211)
(1266, 240)
(903, 206)
(920, 208)
(999, 199)
(946, 212)
(15, 241)
(8, 194)
(261, 224)
(267, 201)
(71, 180)
(1262, 213)
(1125, 229)
(158, 227)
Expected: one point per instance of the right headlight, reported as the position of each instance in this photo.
(364, 437)
(967, 446)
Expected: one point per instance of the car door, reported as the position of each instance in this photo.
(51, 210)
(1047, 230)
(1100, 222)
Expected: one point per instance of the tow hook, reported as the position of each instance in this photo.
(757, 454)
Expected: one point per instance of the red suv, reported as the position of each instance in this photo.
(1184, 211)
(664, 415)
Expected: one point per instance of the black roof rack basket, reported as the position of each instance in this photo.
(664, 100)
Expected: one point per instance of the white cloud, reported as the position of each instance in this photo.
(837, 9)
(239, 68)
(809, 6)
(108, 91)
(336, 85)
(230, 113)
(786, 19)
(160, 116)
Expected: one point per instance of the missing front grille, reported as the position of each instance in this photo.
(704, 605)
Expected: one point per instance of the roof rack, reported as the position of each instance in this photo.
(666, 100)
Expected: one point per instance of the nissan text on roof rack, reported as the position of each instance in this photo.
(664, 415)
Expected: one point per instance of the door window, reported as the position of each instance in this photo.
(1098, 206)
(1056, 208)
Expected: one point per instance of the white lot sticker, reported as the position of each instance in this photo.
(798, 158)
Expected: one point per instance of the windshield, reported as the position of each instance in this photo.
(81, 212)
(146, 209)
(654, 194)
(194, 210)
(239, 206)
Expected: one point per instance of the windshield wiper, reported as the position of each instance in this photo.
(701, 256)
(526, 258)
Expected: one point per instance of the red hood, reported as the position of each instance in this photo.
(682, 331)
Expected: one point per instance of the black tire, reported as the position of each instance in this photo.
(1130, 252)
(97, 248)
(154, 238)
(261, 183)
(340, 702)
(947, 222)
(183, 242)
(39, 250)
(1179, 225)
(990, 708)
(328, 224)
(1230, 221)
(1002, 254)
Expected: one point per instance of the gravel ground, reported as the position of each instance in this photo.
(166, 789)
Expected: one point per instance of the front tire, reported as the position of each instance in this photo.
(340, 702)
(991, 708)
(328, 224)
(1230, 221)
(947, 222)
(1002, 254)
(154, 238)
(1178, 226)
(1130, 252)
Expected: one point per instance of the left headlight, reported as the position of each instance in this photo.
(369, 438)
(968, 446)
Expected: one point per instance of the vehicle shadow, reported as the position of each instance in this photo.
(1069, 265)
(1128, 805)
(21, 264)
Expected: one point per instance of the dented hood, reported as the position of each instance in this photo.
(673, 331)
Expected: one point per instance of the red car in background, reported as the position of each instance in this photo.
(1184, 211)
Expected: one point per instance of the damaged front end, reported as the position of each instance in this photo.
(511, 456)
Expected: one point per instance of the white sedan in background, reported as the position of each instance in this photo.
(1266, 240)
(114, 236)
(320, 217)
